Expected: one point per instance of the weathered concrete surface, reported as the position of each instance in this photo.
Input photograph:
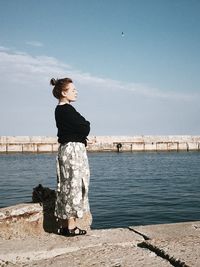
(181, 241)
(112, 248)
(25, 240)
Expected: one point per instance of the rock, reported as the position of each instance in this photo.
(33, 219)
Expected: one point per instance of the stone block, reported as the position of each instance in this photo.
(20, 220)
(150, 146)
(192, 145)
(3, 148)
(139, 146)
(14, 147)
(126, 147)
(172, 146)
(161, 146)
(182, 146)
(55, 147)
(44, 148)
(29, 147)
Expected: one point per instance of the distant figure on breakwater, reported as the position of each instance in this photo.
(72, 163)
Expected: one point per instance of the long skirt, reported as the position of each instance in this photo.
(73, 176)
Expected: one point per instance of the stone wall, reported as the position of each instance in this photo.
(32, 219)
(28, 144)
(103, 143)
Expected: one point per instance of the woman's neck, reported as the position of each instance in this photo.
(63, 102)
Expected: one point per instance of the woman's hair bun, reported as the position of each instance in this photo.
(53, 81)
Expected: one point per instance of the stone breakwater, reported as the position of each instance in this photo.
(103, 143)
(24, 241)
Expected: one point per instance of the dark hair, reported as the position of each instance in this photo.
(59, 86)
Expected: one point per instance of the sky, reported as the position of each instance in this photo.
(143, 82)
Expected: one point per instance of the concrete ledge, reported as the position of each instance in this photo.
(152, 246)
(103, 143)
(178, 243)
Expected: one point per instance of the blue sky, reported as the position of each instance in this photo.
(143, 83)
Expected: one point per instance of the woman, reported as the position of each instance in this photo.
(72, 162)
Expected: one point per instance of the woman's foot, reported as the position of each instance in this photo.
(63, 231)
(76, 231)
(71, 232)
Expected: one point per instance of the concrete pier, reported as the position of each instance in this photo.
(135, 246)
(39, 144)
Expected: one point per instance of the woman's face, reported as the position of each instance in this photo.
(71, 93)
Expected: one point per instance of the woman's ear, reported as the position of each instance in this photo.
(64, 93)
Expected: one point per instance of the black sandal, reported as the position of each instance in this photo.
(63, 231)
(76, 231)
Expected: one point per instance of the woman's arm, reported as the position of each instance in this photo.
(80, 124)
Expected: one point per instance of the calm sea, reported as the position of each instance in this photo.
(125, 188)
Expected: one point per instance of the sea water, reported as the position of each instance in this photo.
(126, 189)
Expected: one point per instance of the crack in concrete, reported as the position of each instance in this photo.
(144, 236)
(159, 252)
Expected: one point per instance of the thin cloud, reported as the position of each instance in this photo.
(35, 43)
(25, 84)
(23, 66)
(3, 48)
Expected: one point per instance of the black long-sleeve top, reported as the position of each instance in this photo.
(72, 126)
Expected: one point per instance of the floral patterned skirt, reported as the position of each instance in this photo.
(73, 176)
